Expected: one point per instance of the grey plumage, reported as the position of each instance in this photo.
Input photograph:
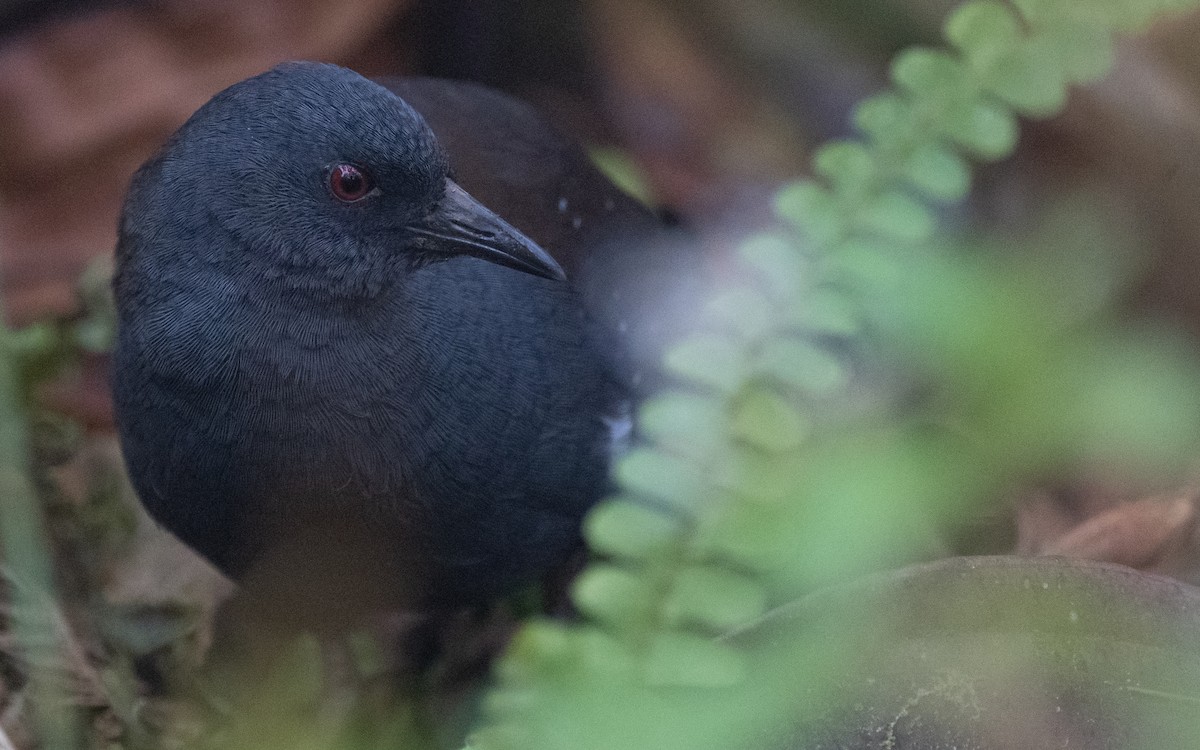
(292, 367)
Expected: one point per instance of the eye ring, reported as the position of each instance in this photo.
(350, 183)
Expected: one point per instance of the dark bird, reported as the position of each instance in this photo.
(332, 357)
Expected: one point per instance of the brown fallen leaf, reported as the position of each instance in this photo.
(1143, 534)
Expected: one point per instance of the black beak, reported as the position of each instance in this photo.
(462, 225)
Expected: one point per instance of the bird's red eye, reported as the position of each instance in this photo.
(350, 183)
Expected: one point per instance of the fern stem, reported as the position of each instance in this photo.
(27, 560)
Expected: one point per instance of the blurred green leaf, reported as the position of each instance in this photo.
(938, 172)
(824, 311)
(624, 173)
(890, 123)
(849, 168)
(779, 265)
(685, 660)
(686, 423)
(768, 421)
(1082, 49)
(709, 359)
(618, 598)
(714, 598)
(813, 210)
(626, 528)
(1029, 79)
(894, 215)
(801, 365)
(983, 30)
(935, 75)
(660, 476)
(988, 130)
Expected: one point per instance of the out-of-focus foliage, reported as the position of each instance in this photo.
(767, 489)
(783, 459)
(29, 356)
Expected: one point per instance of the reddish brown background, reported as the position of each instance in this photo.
(716, 99)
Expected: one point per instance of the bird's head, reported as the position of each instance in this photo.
(317, 177)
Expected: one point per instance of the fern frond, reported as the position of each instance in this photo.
(742, 453)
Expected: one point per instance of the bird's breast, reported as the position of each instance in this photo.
(472, 409)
